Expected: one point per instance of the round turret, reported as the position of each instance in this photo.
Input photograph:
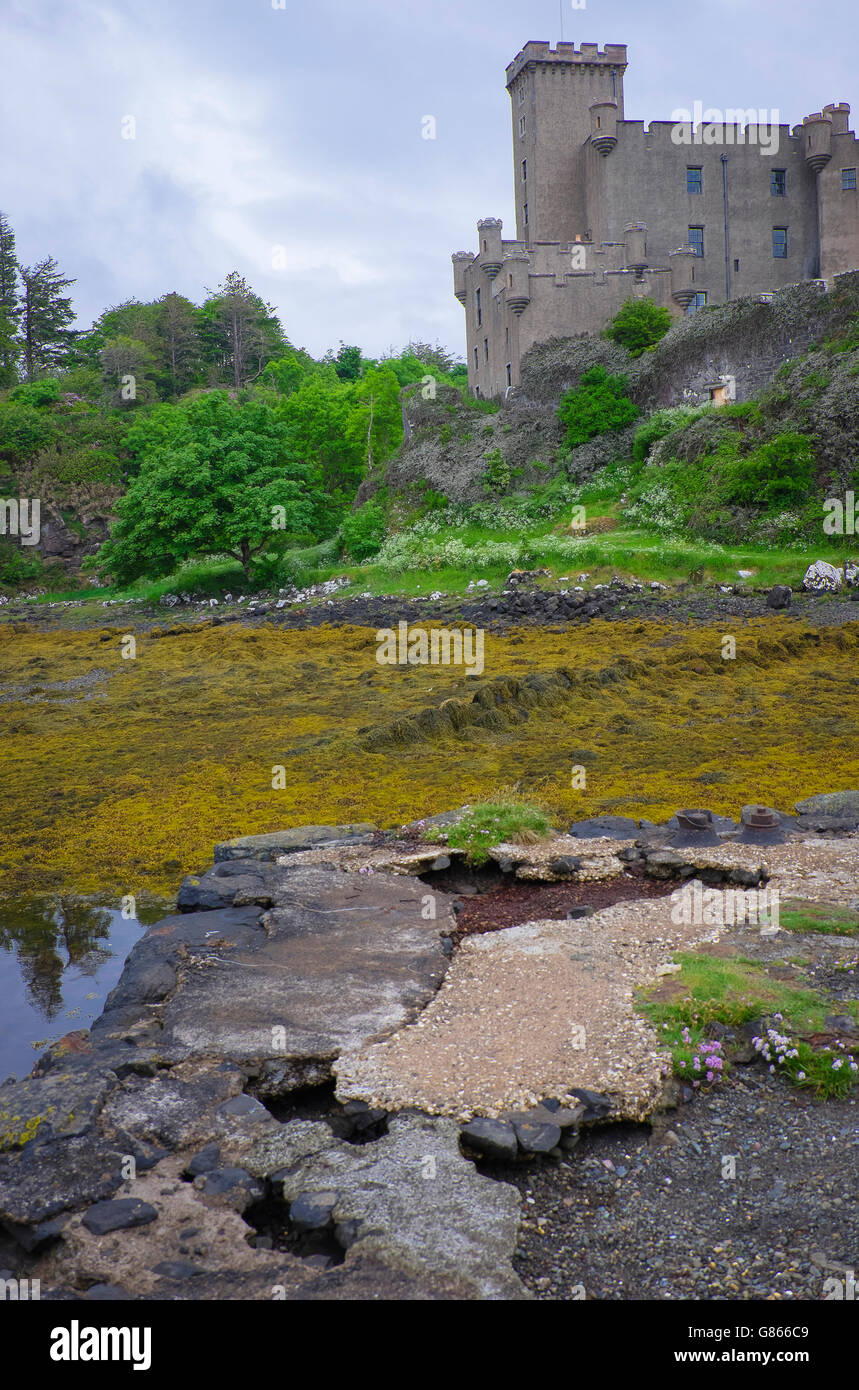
(817, 132)
(517, 283)
(491, 252)
(461, 261)
(604, 126)
(839, 112)
(683, 275)
(635, 244)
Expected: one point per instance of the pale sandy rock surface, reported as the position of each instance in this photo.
(529, 1012)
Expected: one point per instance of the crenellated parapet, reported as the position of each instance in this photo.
(612, 56)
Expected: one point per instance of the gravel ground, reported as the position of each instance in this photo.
(644, 1213)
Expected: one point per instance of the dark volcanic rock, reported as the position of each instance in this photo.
(235, 883)
(779, 597)
(615, 827)
(493, 1138)
(313, 1211)
(150, 971)
(121, 1215)
(45, 1179)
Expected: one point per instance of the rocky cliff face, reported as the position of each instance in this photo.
(746, 342)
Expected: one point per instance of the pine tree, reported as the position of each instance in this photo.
(45, 317)
(10, 310)
(243, 334)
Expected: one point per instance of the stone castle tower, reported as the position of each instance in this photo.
(689, 213)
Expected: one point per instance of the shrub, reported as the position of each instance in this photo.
(37, 393)
(597, 405)
(777, 474)
(363, 531)
(497, 474)
(639, 325)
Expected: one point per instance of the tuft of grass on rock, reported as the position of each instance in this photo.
(490, 823)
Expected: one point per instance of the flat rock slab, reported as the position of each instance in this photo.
(414, 1205)
(537, 1010)
(66, 1102)
(289, 841)
(391, 859)
(338, 961)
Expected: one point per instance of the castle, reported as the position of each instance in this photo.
(688, 213)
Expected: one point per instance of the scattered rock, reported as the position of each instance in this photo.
(779, 597)
(494, 1139)
(121, 1215)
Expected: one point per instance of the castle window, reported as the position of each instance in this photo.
(509, 374)
(522, 92)
(736, 265)
(524, 170)
(526, 214)
(778, 183)
(521, 125)
(696, 240)
(476, 360)
(848, 180)
(486, 348)
(780, 243)
(479, 309)
(698, 301)
(694, 179)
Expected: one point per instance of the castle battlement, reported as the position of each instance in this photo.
(689, 212)
(614, 55)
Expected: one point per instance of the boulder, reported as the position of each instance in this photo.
(821, 577)
(779, 597)
(840, 804)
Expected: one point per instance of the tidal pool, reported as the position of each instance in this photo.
(59, 959)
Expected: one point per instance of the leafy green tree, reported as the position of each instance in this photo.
(45, 317)
(597, 405)
(320, 416)
(376, 418)
(348, 363)
(639, 325)
(229, 481)
(10, 309)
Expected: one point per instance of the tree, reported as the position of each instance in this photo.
(376, 423)
(177, 325)
(227, 480)
(243, 333)
(10, 310)
(45, 317)
(128, 364)
(638, 325)
(347, 363)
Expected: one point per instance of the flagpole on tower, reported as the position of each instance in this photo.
(561, 8)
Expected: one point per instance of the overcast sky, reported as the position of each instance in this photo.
(287, 142)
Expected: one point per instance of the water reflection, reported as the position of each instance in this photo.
(59, 959)
(50, 937)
